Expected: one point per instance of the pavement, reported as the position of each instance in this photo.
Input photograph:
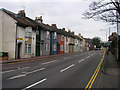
(109, 75)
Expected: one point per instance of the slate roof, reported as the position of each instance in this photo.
(26, 21)
(23, 21)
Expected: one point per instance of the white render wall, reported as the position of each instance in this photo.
(1, 31)
(66, 43)
(8, 30)
(21, 34)
(8, 34)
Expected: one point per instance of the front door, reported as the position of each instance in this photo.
(37, 49)
(19, 45)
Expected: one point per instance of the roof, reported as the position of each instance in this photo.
(23, 21)
(26, 21)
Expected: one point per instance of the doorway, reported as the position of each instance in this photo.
(19, 47)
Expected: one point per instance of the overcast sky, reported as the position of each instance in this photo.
(64, 13)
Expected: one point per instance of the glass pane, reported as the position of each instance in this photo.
(25, 48)
(29, 48)
(61, 47)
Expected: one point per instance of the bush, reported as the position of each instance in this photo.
(3, 54)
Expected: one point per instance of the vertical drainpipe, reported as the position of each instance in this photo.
(16, 43)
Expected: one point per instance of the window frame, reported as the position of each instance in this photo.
(27, 47)
(48, 35)
(28, 32)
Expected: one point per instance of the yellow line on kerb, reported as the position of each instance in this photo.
(90, 83)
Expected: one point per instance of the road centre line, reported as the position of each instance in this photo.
(87, 56)
(35, 83)
(25, 73)
(17, 76)
(81, 60)
(67, 68)
(23, 67)
(35, 71)
(7, 71)
(66, 57)
(50, 62)
(14, 70)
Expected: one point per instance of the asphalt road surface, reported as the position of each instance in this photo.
(70, 71)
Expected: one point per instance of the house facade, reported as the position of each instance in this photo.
(23, 37)
(76, 46)
(45, 42)
(61, 43)
(18, 34)
(54, 40)
(66, 45)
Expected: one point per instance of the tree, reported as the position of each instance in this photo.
(96, 41)
(104, 10)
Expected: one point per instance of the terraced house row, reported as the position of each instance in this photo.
(23, 37)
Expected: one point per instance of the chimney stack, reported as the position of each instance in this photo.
(39, 19)
(54, 25)
(72, 32)
(63, 29)
(21, 13)
(69, 30)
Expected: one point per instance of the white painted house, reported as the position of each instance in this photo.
(18, 34)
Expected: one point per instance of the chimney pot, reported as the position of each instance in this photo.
(21, 13)
(39, 19)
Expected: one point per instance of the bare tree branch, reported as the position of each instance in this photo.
(103, 10)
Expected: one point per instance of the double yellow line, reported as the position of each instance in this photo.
(90, 83)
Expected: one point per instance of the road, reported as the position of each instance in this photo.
(71, 71)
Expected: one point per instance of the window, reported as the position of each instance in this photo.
(27, 48)
(28, 32)
(54, 47)
(75, 40)
(47, 46)
(62, 38)
(48, 35)
(61, 47)
(54, 35)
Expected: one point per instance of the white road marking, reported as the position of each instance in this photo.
(50, 62)
(35, 71)
(7, 71)
(67, 68)
(91, 54)
(87, 56)
(18, 76)
(35, 83)
(24, 68)
(81, 60)
(25, 73)
(66, 57)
